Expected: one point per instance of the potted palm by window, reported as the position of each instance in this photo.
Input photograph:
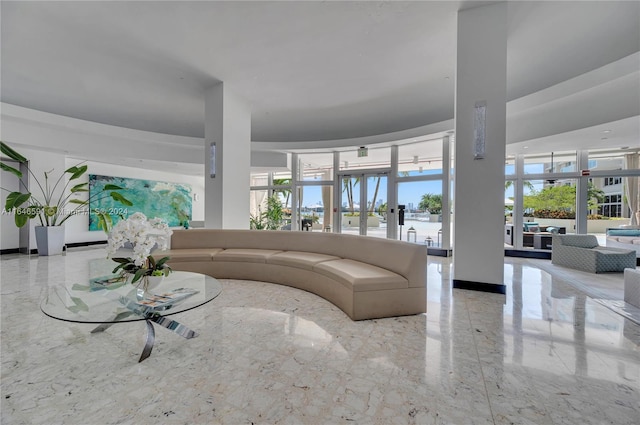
(56, 202)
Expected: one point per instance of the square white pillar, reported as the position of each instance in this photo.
(480, 123)
(228, 126)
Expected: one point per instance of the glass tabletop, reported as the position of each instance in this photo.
(106, 299)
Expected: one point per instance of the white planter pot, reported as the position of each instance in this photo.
(50, 240)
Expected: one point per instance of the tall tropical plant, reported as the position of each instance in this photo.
(51, 204)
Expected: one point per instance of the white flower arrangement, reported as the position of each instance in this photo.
(144, 235)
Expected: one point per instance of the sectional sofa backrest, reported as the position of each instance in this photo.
(396, 256)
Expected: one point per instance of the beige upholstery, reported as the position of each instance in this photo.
(365, 277)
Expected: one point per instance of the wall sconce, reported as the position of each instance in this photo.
(479, 121)
(196, 197)
(212, 157)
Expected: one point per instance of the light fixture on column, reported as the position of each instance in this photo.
(212, 157)
(479, 121)
(362, 152)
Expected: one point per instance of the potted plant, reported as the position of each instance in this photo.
(52, 205)
(143, 235)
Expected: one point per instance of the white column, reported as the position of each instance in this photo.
(478, 250)
(228, 125)
(446, 193)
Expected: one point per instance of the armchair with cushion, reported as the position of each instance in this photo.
(582, 252)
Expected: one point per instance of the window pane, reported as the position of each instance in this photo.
(315, 207)
(510, 166)
(316, 166)
(547, 203)
(421, 158)
(259, 179)
(555, 162)
(423, 214)
(376, 158)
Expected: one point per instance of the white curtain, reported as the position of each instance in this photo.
(632, 188)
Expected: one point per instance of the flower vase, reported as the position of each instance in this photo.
(147, 284)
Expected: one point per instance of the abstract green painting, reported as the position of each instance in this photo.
(168, 201)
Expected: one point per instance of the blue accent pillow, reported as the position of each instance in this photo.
(529, 224)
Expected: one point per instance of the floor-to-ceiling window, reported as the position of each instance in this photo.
(420, 190)
(314, 191)
(576, 192)
(270, 200)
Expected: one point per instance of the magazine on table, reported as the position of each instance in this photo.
(166, 298)
(156, 302)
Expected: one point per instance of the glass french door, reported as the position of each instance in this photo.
(364, 204)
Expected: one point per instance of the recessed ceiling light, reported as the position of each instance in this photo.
(606, 131)
(604, 138)
(525, 147)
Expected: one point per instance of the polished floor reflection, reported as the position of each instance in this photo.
(547, 353)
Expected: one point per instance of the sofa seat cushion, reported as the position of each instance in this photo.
(246, 255)
(361, 276)
(188, 254)
(299, 259)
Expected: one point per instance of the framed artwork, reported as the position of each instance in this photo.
(168, 201)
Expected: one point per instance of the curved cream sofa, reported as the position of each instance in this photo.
(365, 277)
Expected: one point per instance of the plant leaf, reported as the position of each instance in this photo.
(76, 171)
(80, 187)
(5, 149)
(118, 197)
(12, 170)
(105, 222)
(138, 275)
(77, 201)
(20, 218)
(112, 187)
(50, 211)
(122, 260)
(15, 199)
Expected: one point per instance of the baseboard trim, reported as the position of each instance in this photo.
(480, 286)
(69, 245)
(439, 252)
(80, 244)
(540, 255)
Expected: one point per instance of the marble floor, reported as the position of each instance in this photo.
(546, 353)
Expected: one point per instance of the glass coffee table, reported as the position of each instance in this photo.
(107, 300)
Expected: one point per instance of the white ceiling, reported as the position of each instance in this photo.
(312, 71)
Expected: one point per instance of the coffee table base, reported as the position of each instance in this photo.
(165, 322)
